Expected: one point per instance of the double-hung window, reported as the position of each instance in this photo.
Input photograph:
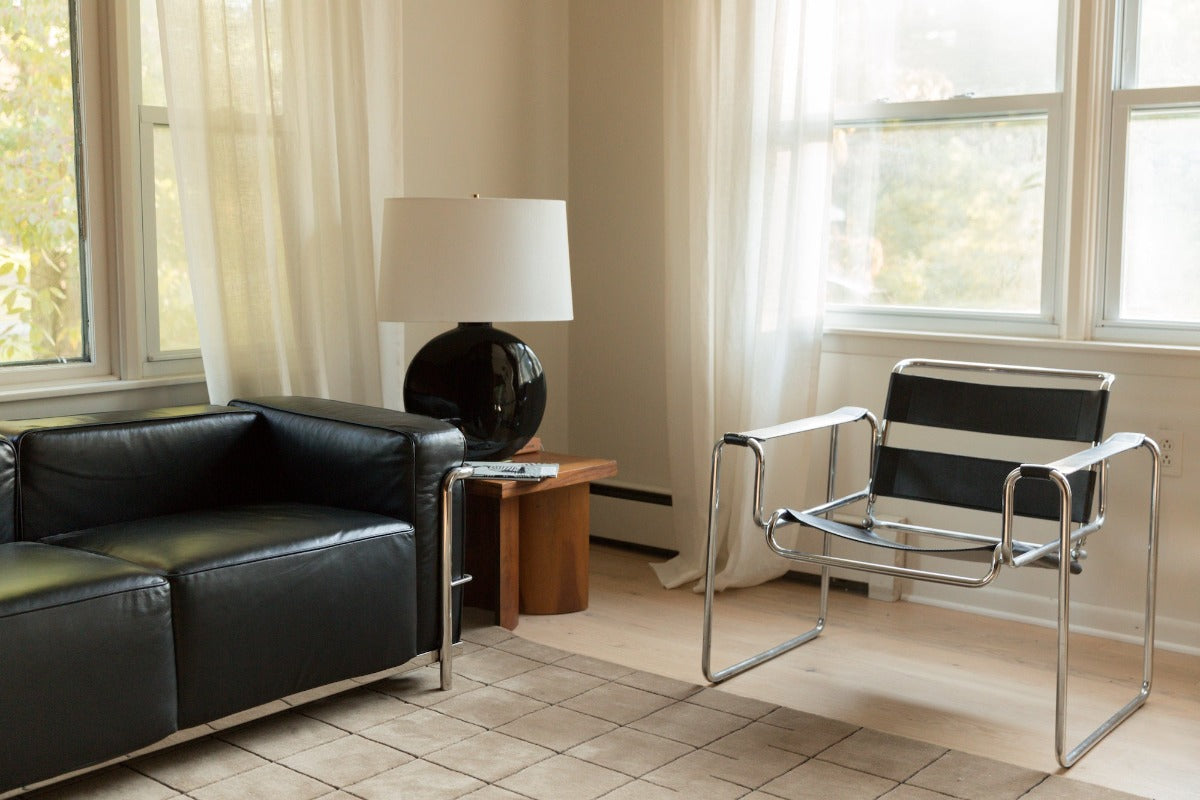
(93, 283)
(1152, 278)
(948, 136)
(970, 138)
(45, 291)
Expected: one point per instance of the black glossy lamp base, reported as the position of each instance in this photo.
(486, 382)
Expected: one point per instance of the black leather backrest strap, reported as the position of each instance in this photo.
(84, 471)
(976, 483)
(972, 480)
(1075, 415)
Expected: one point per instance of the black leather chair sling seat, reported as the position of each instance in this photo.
(958, 434)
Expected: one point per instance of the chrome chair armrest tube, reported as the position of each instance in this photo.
(839, 417)
(1114, 445)
(1047, 472)
(753, 440)
(1084, 459)
(445, 653)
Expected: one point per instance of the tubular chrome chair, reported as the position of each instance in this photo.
(926, 402)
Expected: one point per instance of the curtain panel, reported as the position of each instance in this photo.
(268, 109)
(748, 106)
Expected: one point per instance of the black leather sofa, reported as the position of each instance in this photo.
(163, 569)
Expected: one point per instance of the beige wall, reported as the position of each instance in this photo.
(617, 389)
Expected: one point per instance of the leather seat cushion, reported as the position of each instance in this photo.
(89, 668)
(274, 598)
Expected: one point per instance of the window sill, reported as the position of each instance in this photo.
(105, 393)
(1121, 357)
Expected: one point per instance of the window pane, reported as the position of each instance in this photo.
(41, 288)
(154, 92)
(176, 315)
(1166, 44)
(1160, 281)
(939, 215)
(937, 49)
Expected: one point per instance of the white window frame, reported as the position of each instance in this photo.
(114, 224)
(94, 212)
(1121, 35)
(1048, 321)
(1084, 193)
(156, 360)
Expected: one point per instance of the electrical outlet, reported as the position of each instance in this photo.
(1170, 442)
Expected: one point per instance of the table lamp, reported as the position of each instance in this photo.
(475, 261)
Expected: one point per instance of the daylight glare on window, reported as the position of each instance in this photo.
(1166, 53)
(1162, 217)
(939, 203)
(936, 49)
(939, 215)
(41, 262)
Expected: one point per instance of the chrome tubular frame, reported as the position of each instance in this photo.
(1057, 473)
(1066, 546)
(448, 582)
(753, 441)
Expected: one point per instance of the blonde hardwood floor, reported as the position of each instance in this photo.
(980, 685)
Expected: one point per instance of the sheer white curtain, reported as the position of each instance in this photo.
(268, 105)
(748, 126)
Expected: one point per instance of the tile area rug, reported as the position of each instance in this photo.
(528, 721)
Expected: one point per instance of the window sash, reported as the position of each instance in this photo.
(93, 213)
(1046, 321)
(1112, 322)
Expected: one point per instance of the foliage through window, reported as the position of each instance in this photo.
(956, 135)
(64, 164)
(942, 131)
(43, 300)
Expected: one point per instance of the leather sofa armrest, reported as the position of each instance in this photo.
(371, 459)
(355, 456)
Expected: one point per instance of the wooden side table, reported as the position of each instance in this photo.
(527, 543)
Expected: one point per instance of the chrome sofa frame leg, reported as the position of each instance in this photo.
(448, 582)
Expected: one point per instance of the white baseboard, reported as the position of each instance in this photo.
(1170, 633)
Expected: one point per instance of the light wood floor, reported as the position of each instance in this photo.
(980, 685)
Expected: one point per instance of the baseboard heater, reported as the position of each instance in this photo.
(625, 491)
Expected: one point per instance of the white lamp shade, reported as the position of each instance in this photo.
(474, 260)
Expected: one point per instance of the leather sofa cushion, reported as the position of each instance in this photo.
(84, 471)
(88, 660)
(271, 599)
(181, 544)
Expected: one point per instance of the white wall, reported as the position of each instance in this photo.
(616, 360)
(485, 112)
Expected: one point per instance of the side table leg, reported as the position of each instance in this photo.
(508, 602)
(554, 550)
(493, 556)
